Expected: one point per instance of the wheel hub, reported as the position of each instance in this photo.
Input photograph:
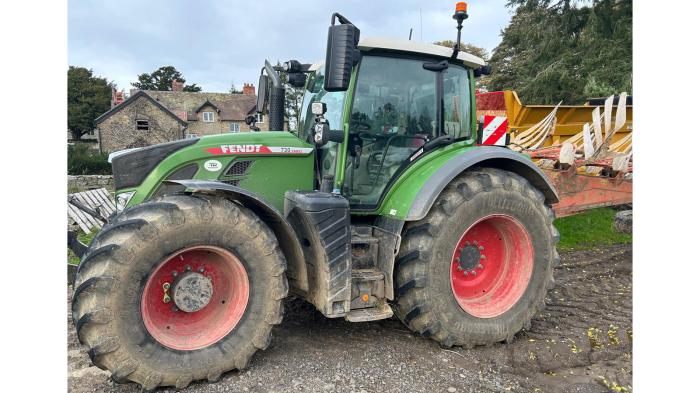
(192, 292)
(469, 258)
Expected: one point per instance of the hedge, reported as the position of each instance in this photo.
(84, 160)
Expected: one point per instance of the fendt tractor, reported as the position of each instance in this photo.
(385, 202)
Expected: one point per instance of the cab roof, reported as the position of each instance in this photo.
(369, 43)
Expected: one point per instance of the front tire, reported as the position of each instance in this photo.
(476, 269)
(230, 274)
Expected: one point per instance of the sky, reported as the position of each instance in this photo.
(217, 43)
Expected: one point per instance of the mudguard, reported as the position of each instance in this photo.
(288, 242)
(483, 156)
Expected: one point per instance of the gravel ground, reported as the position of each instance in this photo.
(581, 342)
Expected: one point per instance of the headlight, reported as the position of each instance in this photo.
(318, 108)
(123, 199)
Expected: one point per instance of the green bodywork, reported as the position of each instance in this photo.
(271, 175)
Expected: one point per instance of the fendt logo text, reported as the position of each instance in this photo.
(233, 149)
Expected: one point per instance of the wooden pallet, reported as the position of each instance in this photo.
(98, 200)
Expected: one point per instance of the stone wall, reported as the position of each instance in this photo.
(119, 131)
(79, 183)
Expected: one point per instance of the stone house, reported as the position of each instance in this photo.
(148, 117)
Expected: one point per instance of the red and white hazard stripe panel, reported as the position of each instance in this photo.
(495, 131)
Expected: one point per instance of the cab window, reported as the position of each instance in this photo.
(394, 112)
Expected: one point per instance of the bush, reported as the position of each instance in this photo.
(84, 160)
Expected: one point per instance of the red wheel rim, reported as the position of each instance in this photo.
(491, 266)
(182, 330)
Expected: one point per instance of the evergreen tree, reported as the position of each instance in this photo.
(565, 50)
(162, 80)
(88, 97)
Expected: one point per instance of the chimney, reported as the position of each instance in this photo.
(177, 85)
(248, 88)
(117, 97)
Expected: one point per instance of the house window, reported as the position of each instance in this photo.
(259, 118)
(234, 127)
(208, 117)
(142, 125)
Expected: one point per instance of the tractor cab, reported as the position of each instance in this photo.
(401, 95)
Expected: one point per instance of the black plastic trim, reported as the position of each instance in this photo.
(131, 169)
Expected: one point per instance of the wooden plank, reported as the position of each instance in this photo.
(82, 199)
(76, 215)
(91, 222)
(92, 202)
(621, 163)
(92, 199)
(607, 114)
(102, 194)
(588, 149)
(621, 115)
(596, 126)
(104, 208)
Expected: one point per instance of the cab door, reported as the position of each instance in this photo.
(394, 112)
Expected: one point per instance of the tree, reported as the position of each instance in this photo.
(234, 89)
(89, 96)
(293, 99)
(162, 80)
(466, 47)
(565, 50)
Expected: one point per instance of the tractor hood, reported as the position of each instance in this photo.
(251, 160)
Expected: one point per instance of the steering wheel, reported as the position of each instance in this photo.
(358, 123)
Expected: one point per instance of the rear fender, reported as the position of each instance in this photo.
(288, 242)
(482, 156)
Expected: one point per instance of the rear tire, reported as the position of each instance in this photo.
(107, 302)
(426, 265)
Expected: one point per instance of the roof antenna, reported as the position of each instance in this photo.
(420, 11)
(410, 34)
(460, 15)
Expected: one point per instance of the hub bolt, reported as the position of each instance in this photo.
(473, 272)
(481, 248)
(483, 257)
(480, 266)
(201, 269)
(188, 268)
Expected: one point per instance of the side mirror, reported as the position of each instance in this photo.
(483, 70)
(263, 91)
(297, 79)
(341, 53)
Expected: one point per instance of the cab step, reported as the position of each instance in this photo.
(379, 311)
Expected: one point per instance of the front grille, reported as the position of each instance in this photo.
(238, 168)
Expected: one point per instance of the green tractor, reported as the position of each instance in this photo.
(385, 203)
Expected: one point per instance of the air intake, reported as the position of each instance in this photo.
(238, 168)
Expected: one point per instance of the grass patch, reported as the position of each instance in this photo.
(85, 238)
(590, 229)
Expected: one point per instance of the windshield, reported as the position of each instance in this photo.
(333, 100)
